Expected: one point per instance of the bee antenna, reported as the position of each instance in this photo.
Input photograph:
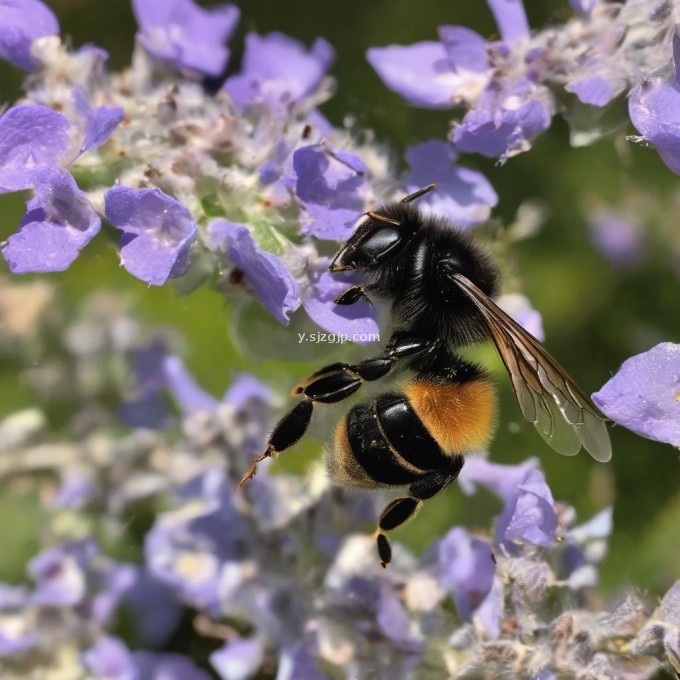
(417, 194)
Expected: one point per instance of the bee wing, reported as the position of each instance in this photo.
(548, 397)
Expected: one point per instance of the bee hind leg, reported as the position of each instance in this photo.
(403, 509)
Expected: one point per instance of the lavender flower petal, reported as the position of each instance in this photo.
(60, 574)
(584, 7)
(190, 397)
(166, 667)
(654, 108)
(465, 48)
(463, 195)
(244, 389)
(58, 224)
(279, 71)
(489, 614)
(356, 322)
(186, 35)
(618, 236)
(511, 19)
(530, 517)
(99, 123)
(22, 22)
(330, 186)
(503, 124)
(420, 73)
(594, 90)
(264, 274)
(503, 480)
(110, 659)
(466, 570)
(395, 623)
(520, 309)
(157, 232)
(32, 138)
(238, 660)
(643, 396)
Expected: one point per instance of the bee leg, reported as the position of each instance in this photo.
(352, 295)
(401, 510)
(329, 385)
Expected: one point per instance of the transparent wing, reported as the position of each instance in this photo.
(548, 397)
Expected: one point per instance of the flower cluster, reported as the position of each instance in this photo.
(279, 581)
(245, 184)
(512, 87)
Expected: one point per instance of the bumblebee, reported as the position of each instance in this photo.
(441, 285)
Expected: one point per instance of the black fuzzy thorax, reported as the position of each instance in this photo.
(424, 300)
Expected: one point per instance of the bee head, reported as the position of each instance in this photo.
(377, 239)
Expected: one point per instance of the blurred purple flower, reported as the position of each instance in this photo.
(99, 123)
(504, 122)
(60, 574)
(395, 623)
(511, 19)
(617, 236)
(462, 194)
(58, 224)
(530, 516)
(186, 35)
(520, 309)
(466, 570)
(147, 408)
(644, 395)
(264, 274)
(239, 659)
(32, 138)
(22, 22)
(75, 491)
(358, 321)
(297, 662)
(329, 186)
(279, 71)
(189, 396)
(654, 108)
(110, 659)
(157, 233)
(244, 389)
(584, 7)
(152, 666)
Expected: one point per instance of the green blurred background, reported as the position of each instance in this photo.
(594, 316)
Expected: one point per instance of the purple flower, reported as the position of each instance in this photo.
(238, 660)
(520, 309)
(654, 108)
(58, 224)
(504, 122)
(32, 138)
(530, 516)
(502, 480)
(245, 389)
(147, 408)
(186, 35)
(110, 659)
(395, 623)
(463, 195)
(296, 662)
(617, 236)
(330, 187)
(644, 395)
(584, 7)
(356, 321)
(75, 491)
(189, 396)
(594, 90)
(420, 73)
(511, 19)
(60, 574)
(279, 71)
(466, 570)
(150, 666)
(264, 274)
(22, 22)
(99, 123)
(157, 233)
